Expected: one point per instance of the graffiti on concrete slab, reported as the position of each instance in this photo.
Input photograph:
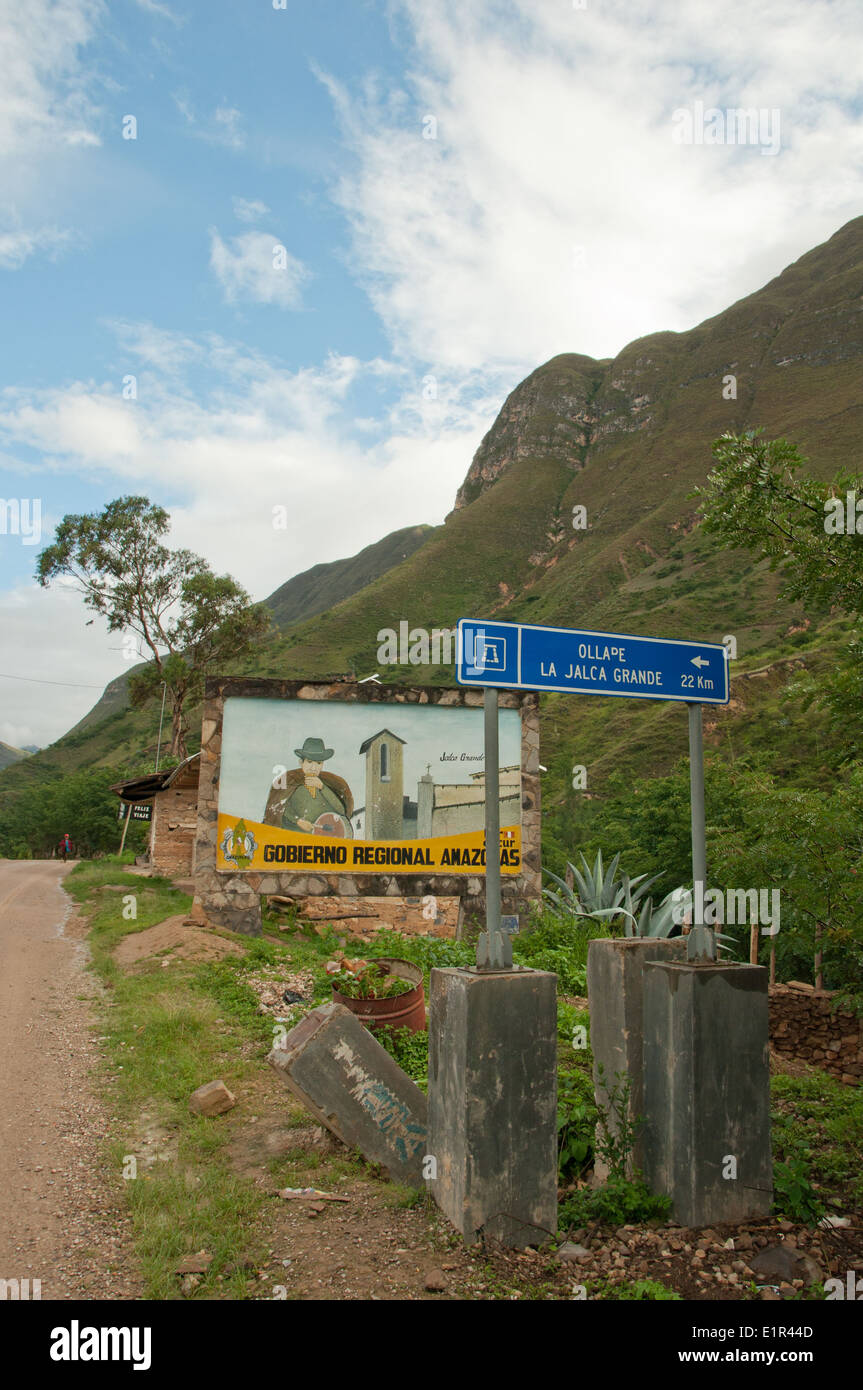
(391, 1115)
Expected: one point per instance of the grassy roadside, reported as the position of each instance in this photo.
(167, 1029)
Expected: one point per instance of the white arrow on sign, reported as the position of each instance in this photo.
(699, 661)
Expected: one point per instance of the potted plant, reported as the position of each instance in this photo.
(383, 992)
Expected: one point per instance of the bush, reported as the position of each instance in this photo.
(410, 1051)
(641, 1289)
(428, 952)
(33, 819)
(620, 1202)
(551, 944)
(576, 1122)
(794, 1197)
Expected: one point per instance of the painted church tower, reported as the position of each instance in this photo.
(384, 786)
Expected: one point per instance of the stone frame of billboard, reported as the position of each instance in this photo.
(232, 899)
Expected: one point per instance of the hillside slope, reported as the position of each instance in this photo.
(629, 440)
(325, 585)
(10, 755)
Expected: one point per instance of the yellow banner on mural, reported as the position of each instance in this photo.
(247, 844)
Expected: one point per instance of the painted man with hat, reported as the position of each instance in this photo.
(308, 799)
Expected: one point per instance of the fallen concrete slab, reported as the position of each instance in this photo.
(338, 1070)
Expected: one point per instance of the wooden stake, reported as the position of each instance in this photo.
(126, 827)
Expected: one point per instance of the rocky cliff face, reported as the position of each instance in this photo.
(549, 415)
(574, 407)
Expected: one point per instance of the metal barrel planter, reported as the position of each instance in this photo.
(406, 1010)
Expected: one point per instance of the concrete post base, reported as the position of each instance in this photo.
(615, 988)
(707, 1090)
(493, 1102)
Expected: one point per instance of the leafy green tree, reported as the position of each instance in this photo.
(757, 498)
(33, 820)
(810, 846)
(649, 821)
(190, 618)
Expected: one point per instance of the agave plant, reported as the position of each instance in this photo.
(598, 892)
(675, 908)
(602, 896)
(659, 921)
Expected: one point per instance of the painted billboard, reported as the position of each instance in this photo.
(355, 788)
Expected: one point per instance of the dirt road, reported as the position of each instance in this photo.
(62, 1218)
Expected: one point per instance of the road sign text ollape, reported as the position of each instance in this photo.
(574, 662)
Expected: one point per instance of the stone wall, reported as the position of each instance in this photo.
(363, 917)
(175, 825)
(233, 900)
(803, 1026)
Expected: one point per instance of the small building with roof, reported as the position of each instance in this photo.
(173, 795)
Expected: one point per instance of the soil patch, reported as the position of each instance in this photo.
(173, 937)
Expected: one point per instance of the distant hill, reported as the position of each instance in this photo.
(9, 755)
(325, 585)
(628, 439)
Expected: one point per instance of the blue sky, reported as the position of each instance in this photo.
(342, 234)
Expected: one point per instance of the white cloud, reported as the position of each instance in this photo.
(222, 127)
(154, 7)
(184, 106)
(554, 132)
(45, 629)
(44, 97)
(17, 246)
(169, 351)
(257, 266)
(249, 209)
(46, 111)
(260, 436)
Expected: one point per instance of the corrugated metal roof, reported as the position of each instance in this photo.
(146, 787)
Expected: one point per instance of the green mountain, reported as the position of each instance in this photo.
(10, 755)
(325, 585)
(627, 439)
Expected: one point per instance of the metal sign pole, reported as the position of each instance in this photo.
(494, 948)
(702, 943)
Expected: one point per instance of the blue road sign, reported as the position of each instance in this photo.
(525, 657)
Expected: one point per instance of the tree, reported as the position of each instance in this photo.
(809, 845)
(33, 820)
(190, 618)
(754, 500)
(758, 498)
